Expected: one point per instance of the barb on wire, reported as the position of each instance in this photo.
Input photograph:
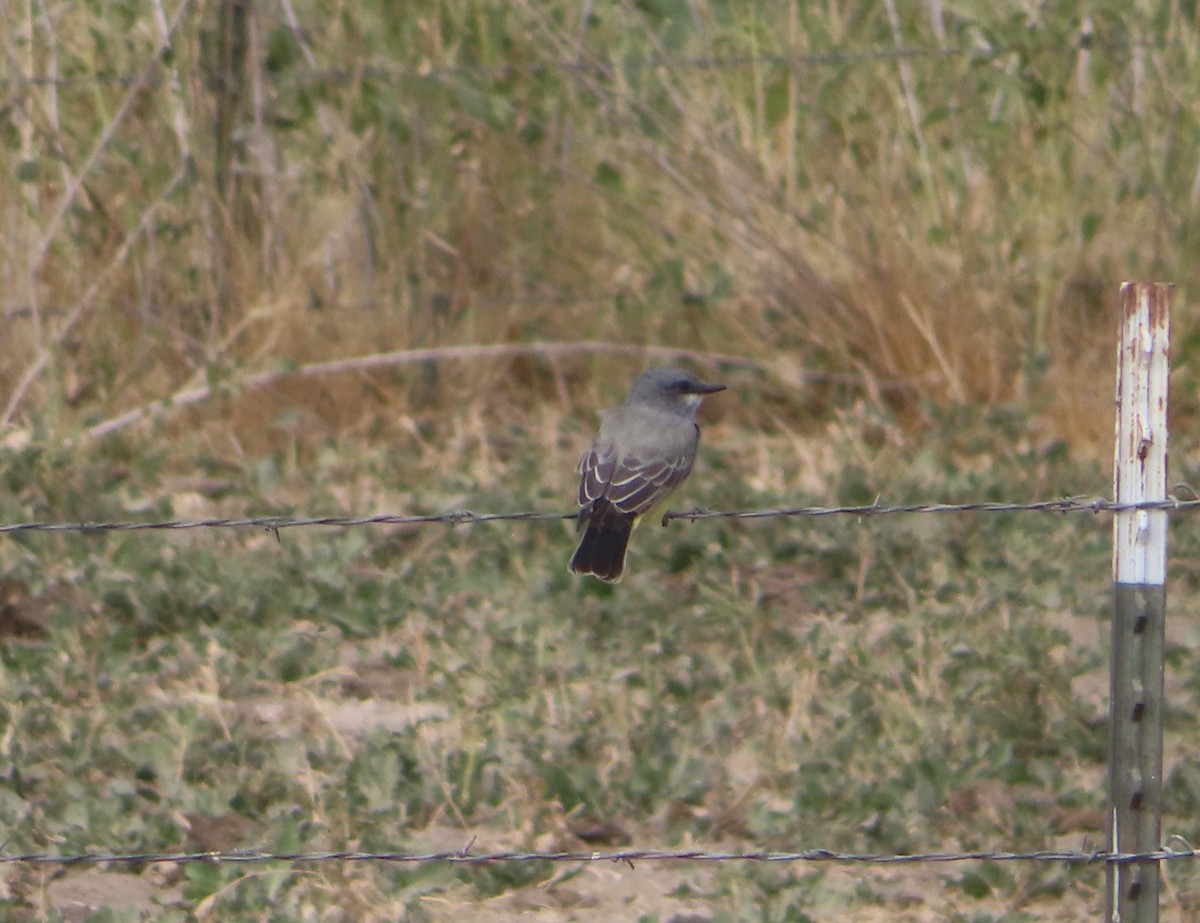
(1073, 857)
(1082, 504)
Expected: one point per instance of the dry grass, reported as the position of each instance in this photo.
(947, 229)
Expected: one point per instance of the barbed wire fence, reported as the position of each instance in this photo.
(466, 857)
(1076, 504)
(1175, 848)
(1131, 874)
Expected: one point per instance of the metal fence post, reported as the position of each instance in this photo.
(1139, 602)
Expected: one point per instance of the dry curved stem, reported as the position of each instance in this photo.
(196, 394)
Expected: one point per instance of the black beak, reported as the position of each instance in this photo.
(703, 388)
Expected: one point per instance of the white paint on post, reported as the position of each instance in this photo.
(1140, 469)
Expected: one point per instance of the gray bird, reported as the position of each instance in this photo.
(644, 450)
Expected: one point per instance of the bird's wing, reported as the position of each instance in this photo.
(630, 484)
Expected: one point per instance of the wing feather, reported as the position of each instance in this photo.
(636, 486)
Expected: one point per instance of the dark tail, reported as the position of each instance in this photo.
(601, 551)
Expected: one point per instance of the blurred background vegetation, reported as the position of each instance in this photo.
(900, 203)
(321, 257)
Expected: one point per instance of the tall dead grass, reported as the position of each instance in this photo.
(299, 186)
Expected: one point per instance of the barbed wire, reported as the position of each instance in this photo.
(1078, 504)
(465, 856)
